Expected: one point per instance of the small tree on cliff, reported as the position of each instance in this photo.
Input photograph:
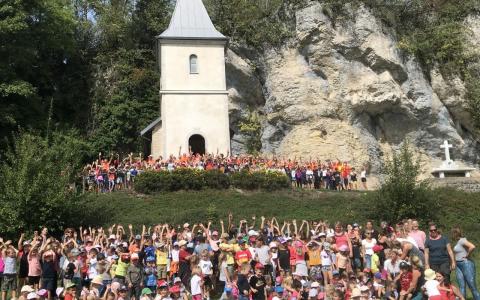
(402, 195)
(252, 129)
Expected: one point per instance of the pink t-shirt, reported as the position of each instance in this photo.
(34, 268)
(419, 237)
(341, 240)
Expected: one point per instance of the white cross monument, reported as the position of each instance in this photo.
(447, 147)
(449, 167)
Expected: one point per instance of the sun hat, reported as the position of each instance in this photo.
(272, 245)
(26, 243)
(321, 234)
(315, 284)
(134, 256)
(42, 293)
(75, 252)
(32, 295)
(70, 285)
(182, 243)
(252, 232)
(177, 279)
(186, 225)
(146, 291)
(224, 235)
(59, 291)
(27, 289)
(356, 293)
(430, 274)
(97, 280)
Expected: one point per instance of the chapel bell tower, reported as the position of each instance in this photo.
(193, 95)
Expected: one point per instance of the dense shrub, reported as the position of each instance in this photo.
(191, 179)
(402, 195)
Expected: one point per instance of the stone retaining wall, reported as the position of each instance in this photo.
(460, 183)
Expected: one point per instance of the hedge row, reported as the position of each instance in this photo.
(192, 179)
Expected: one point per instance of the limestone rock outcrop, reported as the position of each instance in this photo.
(346, 91)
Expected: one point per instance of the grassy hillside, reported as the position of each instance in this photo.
(196, 206)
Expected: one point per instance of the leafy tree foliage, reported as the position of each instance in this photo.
(252, 129)
(35, 178)
(402, 195)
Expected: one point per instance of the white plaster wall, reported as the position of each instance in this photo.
(175, 66)
(184, 115)
(157, 140)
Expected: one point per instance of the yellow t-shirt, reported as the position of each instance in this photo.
(161, 257)
(121, 269)
(228, 249)
(314, 258)
(375, 263)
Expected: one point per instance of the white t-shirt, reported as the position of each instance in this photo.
(206, 267)
(175, 255)
(92, 270)
(326, 258)
(363, 174)
(431, 288)
(195, 284)
(263, 256)
(392, 268)
(369, 246)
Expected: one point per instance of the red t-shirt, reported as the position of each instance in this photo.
(182, 255)
(68, 297)
(243, 256)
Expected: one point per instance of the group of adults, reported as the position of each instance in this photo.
(113, 173)
(251, 260)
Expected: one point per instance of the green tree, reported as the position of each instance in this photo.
(252, 129)
(402, 194)
(35, 181)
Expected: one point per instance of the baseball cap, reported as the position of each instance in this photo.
(259, 266)
(59, 291)
(123, 288)
(32, 295)
(252, 233)
(174, 289)
(186, 225)
(177, 279)
(112, 237)
(138, 237)
(378, 275)
(134, 256)
(146, 291)
(335, 273)
(162, 283)
(279, 289)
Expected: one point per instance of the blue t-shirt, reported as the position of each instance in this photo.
(437, 250)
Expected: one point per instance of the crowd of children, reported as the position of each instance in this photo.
(113, 173)
(305, 260)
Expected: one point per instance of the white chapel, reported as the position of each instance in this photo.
(193, 95)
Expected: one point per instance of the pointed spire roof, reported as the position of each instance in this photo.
(190, 20)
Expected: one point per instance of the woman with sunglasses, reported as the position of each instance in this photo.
(438, 253)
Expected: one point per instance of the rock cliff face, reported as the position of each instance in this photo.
(347, 92)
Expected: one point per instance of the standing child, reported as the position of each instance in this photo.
(196, 284)
(207, 270)
(151, 274)
(258, 283)
(326, 263)
(9, 280)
